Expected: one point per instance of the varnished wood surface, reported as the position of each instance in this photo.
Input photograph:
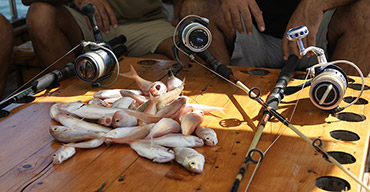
(26, 147)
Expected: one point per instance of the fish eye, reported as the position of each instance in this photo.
(192, 163)
(207, 138)
(55, 129)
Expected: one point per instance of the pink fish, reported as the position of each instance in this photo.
(173, 81)
(158, 88)
(122, 119)
(144, 85)
(191, 121)
(164, 127)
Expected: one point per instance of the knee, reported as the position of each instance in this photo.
(38, 16)
(355, 17)
(6, 27)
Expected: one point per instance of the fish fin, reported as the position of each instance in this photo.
(132, 74)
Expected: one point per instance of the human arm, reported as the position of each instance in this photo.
(248, 9)
(310, 14)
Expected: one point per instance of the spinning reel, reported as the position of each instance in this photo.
(99, 58)
(329, 82)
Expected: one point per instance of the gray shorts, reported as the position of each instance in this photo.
(261, 50)
(142, 37)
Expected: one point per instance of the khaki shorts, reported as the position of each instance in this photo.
(142, 37)
(261, 50)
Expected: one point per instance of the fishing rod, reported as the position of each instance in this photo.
(276, 95)
(195, 35)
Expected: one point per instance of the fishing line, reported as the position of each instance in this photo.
(48, 67)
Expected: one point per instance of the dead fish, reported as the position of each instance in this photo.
(171, 111)
(207, 109)
(190, 159)
(73, 122)
(164, 127)
(144, 85)
(208, 135)
(158, 88)
(105, 121)
(172, 81)
(93, 143)
(124, 103)
(152, 107)
(154, 152)
(112, 93)
(122, 119)
(128, 134)
(84, 110)
(191, 121)
(168, 97)
(63, 154)
(178, 140)
(98, 101)
(140, 99)
(68, 135)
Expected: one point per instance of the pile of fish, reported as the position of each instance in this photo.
(155, 121)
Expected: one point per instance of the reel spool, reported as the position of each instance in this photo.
(328, 87)
(94, 64)
(194, 34)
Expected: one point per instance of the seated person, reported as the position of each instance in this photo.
(6, 48)
(340, 27)
(56, 28)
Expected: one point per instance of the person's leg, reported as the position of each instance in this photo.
(349, 36)
(53, 32)
(6, 47)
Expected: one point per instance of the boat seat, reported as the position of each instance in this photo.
(25, 62)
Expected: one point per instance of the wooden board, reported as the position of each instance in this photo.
(26, 147)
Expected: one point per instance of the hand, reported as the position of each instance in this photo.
(247, 8)
(307, 13)
(104, 14)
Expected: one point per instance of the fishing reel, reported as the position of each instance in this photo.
(329, 82)
(194, 35)
(99, 58)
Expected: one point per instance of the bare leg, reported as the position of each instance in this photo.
(54, 32)
(349, 36)
(6, 47)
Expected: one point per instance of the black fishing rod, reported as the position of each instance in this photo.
(226, 73)
(44, 82)
(276, 95)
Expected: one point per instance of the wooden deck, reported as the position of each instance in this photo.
(26, 147)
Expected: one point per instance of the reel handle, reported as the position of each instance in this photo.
(297, 34)
(89, 10)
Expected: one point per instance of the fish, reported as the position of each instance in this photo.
(63, 153)
(140, 99)
(112, 93)
(156, 153)
(73, 122)
(208, 135)
(171, 111)
(124, 103)
(122, 119)
(191, 121)
(207, 109)
(68, 135)
(178, 140)
(190, 159)
(172, 81)
(152, 107)
(93, 143)
(164, 127)
(158, 88)
(98, 101)
(168, 97)
(125, 135)
(84, 110)
(144, 85)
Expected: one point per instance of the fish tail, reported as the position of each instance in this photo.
(131, 75)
